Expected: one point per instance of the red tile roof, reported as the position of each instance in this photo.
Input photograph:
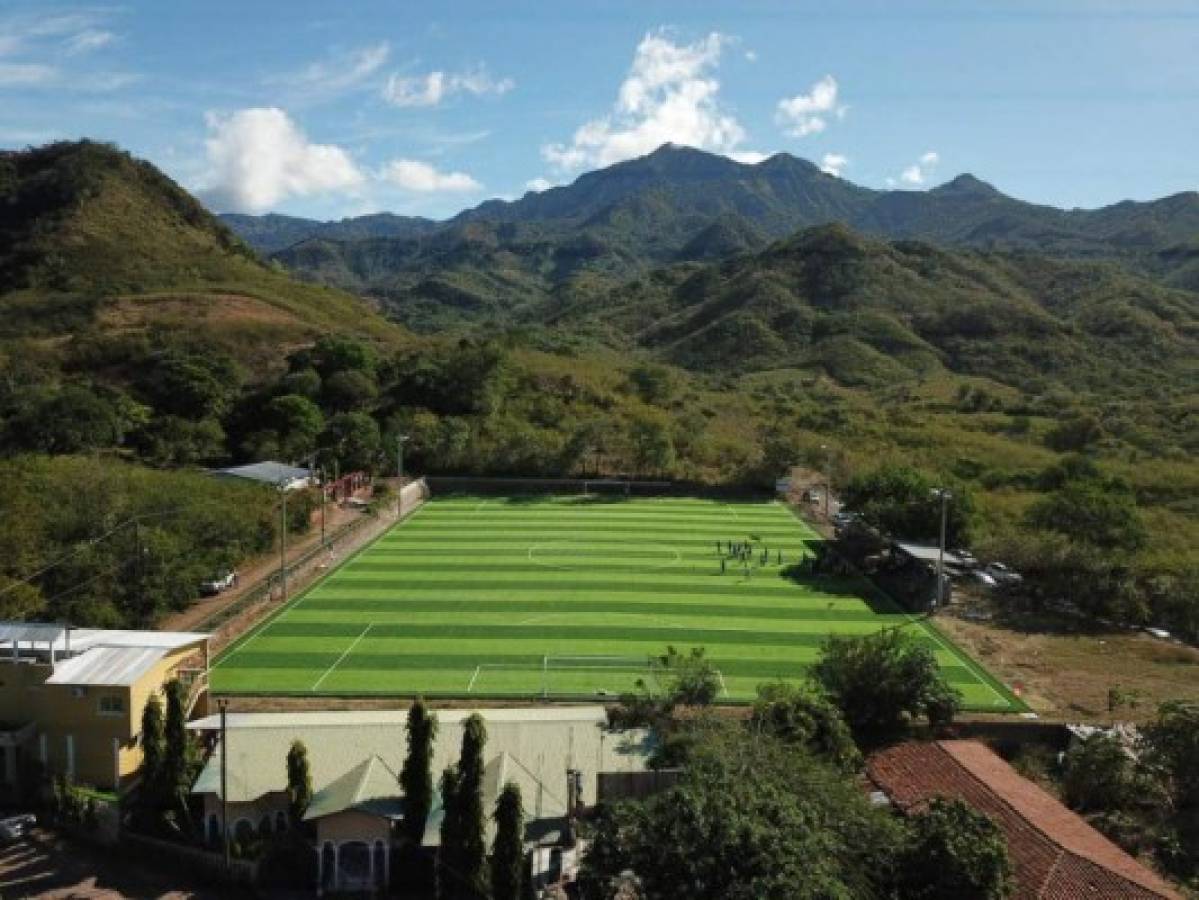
(1055, 853)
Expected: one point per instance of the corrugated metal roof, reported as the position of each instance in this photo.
(538, 746)
(40, 632)
(272, 473)
(111, 666)
(80, 639)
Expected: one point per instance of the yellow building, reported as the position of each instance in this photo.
(71, 699)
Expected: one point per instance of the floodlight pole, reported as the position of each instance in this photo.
(828, 477)
(283, 538)
(400, 441)
(945, 496)
(223, 703)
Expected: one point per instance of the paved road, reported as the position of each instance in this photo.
(48, 867)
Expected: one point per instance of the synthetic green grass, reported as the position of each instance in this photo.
(569, 597)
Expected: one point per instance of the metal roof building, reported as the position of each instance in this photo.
(274, 474)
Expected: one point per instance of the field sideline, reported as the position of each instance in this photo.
(567, 597)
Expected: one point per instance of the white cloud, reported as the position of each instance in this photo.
(751, 56)
(26, 74)
(259, 157)
(808, 113)
(833, 163)
(748, 157)
(919, 171)
(414, 175)
(89, 39)
(436, 86)
(340, 72)
(668, 96)
(539, 184)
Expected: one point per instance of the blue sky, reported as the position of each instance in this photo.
(331, 109)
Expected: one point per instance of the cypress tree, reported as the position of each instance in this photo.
(449, 856)
(299, 782)
(153, 745)
(508, 851)
(177, 757)
(416, 777)
(463, 847)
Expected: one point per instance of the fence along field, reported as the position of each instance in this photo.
(569, 597)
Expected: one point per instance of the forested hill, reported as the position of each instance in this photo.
(679, 204)
(94, 241)
(871, 313)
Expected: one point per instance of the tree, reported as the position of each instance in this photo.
(178, 760)
(349, 390)
(153, 743)
(296, 422)
(653, 384)
(954, 852)
(354, 439)
(900, 501)
(1098, 775)
(463, 873)
(653, 448)
(416, 777)
(508, 849)
(880, 681)
(332, 353)
(299, 782)
(751, 817)
(805, 718)
(1093, 513)
(71, 420)
(1172, 742)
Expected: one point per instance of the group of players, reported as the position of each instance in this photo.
(745, 553)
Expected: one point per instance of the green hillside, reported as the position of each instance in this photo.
(679, 204)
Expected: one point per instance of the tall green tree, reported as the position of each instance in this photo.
(881, 681)
(900, 501)
(299, 782)
(954, 852)
(178, 761)
(416, 776)
(508, 848)
(153, 741)
(803, 717)
(463, 873)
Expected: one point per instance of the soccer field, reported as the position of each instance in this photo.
(568, 597)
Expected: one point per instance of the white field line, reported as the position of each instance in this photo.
(348, 651)
(292, 605)
(967, 663)
(471, 686)
(723, 687)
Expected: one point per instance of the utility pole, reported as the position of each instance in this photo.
(828, 476)
(945, 496)
(322, 484)
(400, 441)
(283, 539)
(225, 781)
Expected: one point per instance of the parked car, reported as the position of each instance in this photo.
(1002, 574)
(966, 557)
(985, 580)
(218, 583)
(844, 518)
(16, 827)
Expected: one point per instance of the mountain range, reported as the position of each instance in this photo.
(679, 204)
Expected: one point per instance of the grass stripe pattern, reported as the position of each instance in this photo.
(569, 597)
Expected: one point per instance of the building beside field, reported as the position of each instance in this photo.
(272, 474)
(355, 758)
(1054, 852)
(71, 699)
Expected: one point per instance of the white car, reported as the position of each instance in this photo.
(1002, 574)
(985, 580)
(219, 583)
(17, 827)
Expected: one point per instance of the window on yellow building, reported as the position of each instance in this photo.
(112, 705)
